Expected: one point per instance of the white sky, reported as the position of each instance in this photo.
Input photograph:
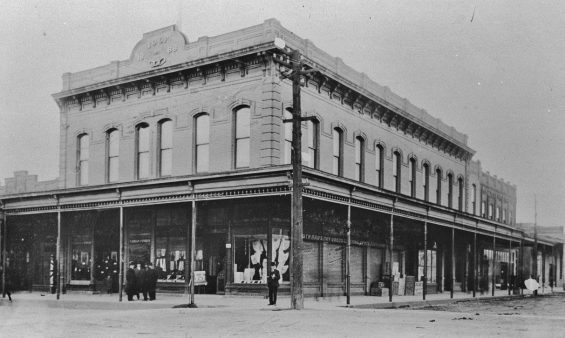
(495, 70)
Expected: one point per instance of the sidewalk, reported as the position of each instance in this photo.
(104, 301)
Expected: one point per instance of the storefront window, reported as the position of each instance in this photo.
(81, 244)
(170, 256)
(431, 265)
(250, 261)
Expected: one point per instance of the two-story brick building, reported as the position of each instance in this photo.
(185, 141)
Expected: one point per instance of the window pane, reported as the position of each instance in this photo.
(378, 158)
(242, 123)
(395, 164)
(83, 172)
(203, 129)
(358, 150)
(242, 154)
(143, 139)
(113, 169)
(166, 161)
(202, 158)
(287, 152)
(166, 134)
(336, 142)
(335, 169)
(113, 143)
(84, 147)
(143, 165)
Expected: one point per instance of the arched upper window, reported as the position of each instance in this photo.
(242, 136)
(337, 167)
(313, 144)
(165, 147)
(359, 158)
(438, 186)
(379, 164)
(287, 137)
(142, 145)
(450, 190)
(474, 199)
(202, 143)
(412, 173)
(83, 155)
(461, 192)
(396, 170)
(113, 155)
(426, 181)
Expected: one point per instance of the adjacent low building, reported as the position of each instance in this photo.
(186, 141)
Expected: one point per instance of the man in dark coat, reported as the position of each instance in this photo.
(138, 280)
(131, 282)
(151, 277)
(144, 281)
(273, 284)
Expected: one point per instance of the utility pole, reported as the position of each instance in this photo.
(295, 65)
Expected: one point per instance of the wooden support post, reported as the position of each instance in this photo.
(425, 281)
(121, 257)
(390, 252)
(3, 251)
(452, 261)
(192, 251)
(493, 261)
(59, 265)
(475, 260)
(508, 269)
(348, 252)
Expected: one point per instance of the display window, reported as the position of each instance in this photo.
(81, 246)
(250, 257)
(431, 273)
(170, 246)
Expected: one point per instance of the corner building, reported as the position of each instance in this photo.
(186, 141)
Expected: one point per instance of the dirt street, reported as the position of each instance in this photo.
(35, 316)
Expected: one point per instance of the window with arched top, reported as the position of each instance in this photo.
(379, 164)
(396, 170)
(313, 144)
(83, 155)
(412, 173)
(287, 159)
(202, 143)
(359, 158)
(474, 199)
(426, 181)
(337, 165)
(112, 155)
(461, 192)
(450, 190)
(438, 186)
(165, 148)
(242, 137)
(142, 150)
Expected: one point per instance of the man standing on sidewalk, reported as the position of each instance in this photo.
(273, 284)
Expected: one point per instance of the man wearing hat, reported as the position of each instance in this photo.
(131, 288)
(273, 284)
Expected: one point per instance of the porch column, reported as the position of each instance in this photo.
(475, 260)
(521, 266)
(59, 265)
(509, 265)
(543, 269)
(452, 260)
(390, 252)
(3, 251)
(348, 251)
(192, 251)
(493, 261)
(425, 281)
(121, 257)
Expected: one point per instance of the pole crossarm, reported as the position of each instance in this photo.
(301, 119)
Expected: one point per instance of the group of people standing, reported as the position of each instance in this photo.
(141, 278)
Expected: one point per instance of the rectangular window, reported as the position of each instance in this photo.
(113, 155)
(430, 268)
(337, 152)
(242, 136)
(287, 138)
(474, 199)
(83, 156)
(490, 211)
(396, 163)
(412, 171)
(426, 181)
(379, 165)
(312, 159)
(143, 152)
(202, 143)
(166, 148)
(359, 156)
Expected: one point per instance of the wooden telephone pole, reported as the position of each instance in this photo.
(296, 65)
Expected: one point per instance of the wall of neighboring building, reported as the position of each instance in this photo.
(23, 182)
